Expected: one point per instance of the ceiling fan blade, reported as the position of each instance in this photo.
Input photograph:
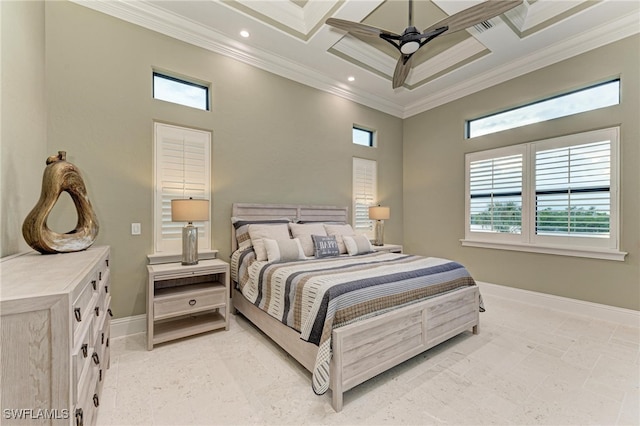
(402, 70)
(474, 15)
(358, 28)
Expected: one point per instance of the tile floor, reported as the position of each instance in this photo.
(528, 365)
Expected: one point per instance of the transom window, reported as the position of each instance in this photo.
(555, 196)
(363, 136)
(593, 97)
(178, 91)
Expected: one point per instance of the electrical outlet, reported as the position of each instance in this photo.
(135, 229)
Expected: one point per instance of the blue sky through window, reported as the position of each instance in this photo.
(594, 97)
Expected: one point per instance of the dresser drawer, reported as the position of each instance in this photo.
(81, 356)
(82, 308)
(174, 302)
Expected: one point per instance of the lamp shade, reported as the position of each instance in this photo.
(379, 213)
(189, 210)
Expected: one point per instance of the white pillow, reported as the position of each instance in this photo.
(289, 249)
(274, 232)
(339, 231)
(359, 244)
(304, 231)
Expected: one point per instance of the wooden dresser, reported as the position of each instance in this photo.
(54, 334)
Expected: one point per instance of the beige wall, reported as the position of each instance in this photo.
(82, 83)
(274, 140)
(22, 117)
(434, 148)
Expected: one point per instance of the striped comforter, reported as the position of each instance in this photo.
(314, 296)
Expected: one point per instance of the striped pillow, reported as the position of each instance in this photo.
(283, 250)
(359, 244)
(241, 227)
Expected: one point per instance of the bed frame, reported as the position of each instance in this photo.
(366, 348)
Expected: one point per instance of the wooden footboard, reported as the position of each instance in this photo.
(367, 348)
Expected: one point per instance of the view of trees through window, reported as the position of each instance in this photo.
(571, 192)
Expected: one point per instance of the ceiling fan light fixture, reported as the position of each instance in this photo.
(409, 47)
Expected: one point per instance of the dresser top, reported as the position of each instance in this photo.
(33, 274)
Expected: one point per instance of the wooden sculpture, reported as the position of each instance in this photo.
(59, 175)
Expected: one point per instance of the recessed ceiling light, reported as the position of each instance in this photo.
(244, 33)
(351, 78)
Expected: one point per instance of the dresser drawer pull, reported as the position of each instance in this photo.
(107, 261)
(78, 314)
(100, 275)
(84, 350)
(192, 302)
(107, 342)
(79, 415)
(106, 289)
(96, 401)
(100, 375)
(94, 284)
(110, 313)
(97, 309)
(95, 358)
(102, 339)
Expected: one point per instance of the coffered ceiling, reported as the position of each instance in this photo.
(290, 38)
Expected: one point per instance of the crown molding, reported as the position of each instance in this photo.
(598, 37)
(146, 15)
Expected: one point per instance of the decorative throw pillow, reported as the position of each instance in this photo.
(304, 233)
(283, 250)
(325, 246)
(272, 231)
(359, 244)
(339, 231)
(241, 227)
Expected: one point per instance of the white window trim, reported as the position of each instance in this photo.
(162, 131)
(527, 241)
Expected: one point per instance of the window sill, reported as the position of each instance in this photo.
(603, 254)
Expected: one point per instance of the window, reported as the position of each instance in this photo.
(171, 89)
(182, 170)
(593, 97)
(362, 136)
(554, 196)
(364, 194)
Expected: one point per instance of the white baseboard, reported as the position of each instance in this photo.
(138, 323)
(126, 326)
(573, 306)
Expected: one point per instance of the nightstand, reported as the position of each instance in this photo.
(391, 248)
(186, 300)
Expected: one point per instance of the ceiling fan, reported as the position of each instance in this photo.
(411, 39)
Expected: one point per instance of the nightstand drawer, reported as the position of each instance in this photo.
(173, 302)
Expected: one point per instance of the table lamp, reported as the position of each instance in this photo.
(379, 214)
(189, 210)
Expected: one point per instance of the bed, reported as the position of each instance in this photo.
(315, 309)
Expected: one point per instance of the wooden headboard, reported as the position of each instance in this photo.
(295, 212)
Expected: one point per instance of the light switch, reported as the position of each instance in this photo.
(135, 229)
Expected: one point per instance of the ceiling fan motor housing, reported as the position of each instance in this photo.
(410, 40)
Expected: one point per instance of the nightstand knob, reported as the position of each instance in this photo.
(84, 350)
(94, 284)
(95, 358)
(192, 302)
(78, 314)
(96, 401)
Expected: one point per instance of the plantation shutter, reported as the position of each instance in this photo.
(364, 194)
(495, 191)
(573, 190)
(182, 169)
